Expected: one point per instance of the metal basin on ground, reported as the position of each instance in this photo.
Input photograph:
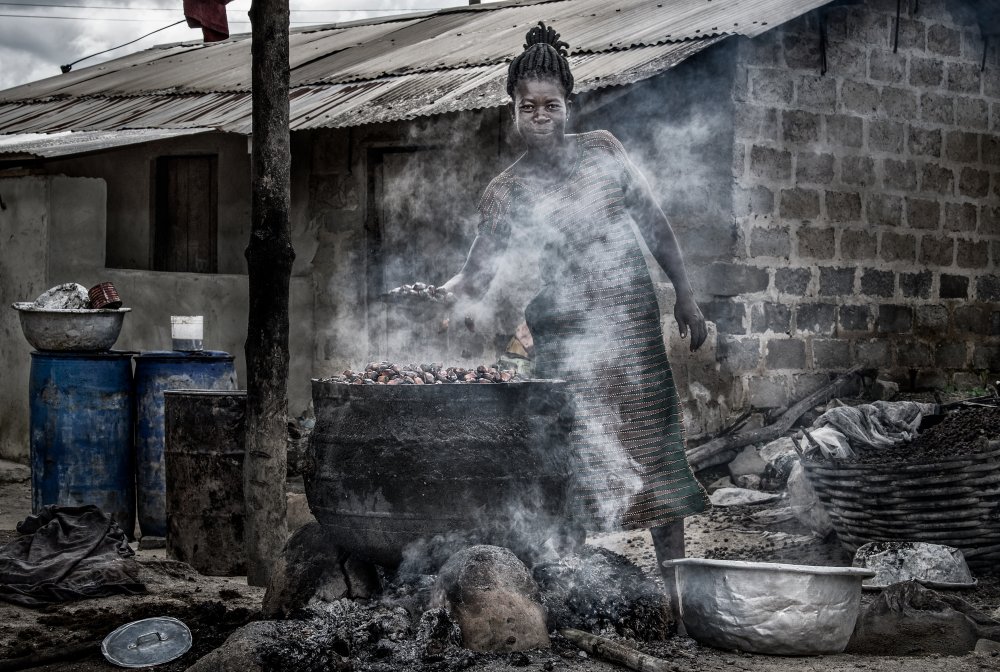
(481, 463)
(771, 608)
(77, 329)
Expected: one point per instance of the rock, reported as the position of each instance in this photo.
(493, 598)
(907, 619)
(779, 457)
(988, 647)
(311, 567)
(896, 561)
(749, 482)
(805, 503)
(436, 632)
(298, 513)
(724, 482)
(739, 496)
(14, 472)
(747, 462)
(67, 296)
(883, 390)
(264, 646)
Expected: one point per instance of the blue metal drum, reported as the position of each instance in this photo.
(156, 372)
(81, 432)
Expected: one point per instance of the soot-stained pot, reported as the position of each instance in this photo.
(487, 463)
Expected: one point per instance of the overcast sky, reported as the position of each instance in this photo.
(37, 36)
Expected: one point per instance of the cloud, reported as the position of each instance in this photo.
(34, 48)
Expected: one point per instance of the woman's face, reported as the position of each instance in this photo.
(540, 112)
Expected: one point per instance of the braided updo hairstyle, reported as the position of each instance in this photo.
(544, 57)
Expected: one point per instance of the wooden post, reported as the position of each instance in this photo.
(269, 262)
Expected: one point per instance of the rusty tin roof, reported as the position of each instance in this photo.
(387, 69)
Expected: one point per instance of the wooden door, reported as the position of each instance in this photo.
(186, 227)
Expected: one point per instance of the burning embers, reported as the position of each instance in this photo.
(387, 373)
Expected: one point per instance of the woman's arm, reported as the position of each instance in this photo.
(662, 243)
(480, 266)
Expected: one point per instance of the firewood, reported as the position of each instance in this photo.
(616, 652)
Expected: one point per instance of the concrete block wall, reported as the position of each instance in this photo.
(866, 203)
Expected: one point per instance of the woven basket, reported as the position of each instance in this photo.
(954, 502)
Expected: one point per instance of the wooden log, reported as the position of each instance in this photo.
(615, 652)
(724, 448)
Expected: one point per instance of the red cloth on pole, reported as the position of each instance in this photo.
(210, 16)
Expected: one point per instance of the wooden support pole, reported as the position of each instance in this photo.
(269, 262)
(616, 652)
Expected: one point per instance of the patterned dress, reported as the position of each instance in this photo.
(596, 323)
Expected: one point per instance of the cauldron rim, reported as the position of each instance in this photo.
(339, 390)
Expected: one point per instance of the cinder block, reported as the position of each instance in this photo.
(966, 380)
(962, 146)
(912, 35)
(770, 316)
(859, 97)
(952, 355)
(799, 203)
(739, 159)
(937, 251)
(925, 142)
(960, 217)
(914, 354)
(727, 315)
(844, 59)
(817, 93)
(770, 163)
(901, 175)
(931, 379)
(843, 206)
(768, 392)
(937, 108)
(931, 317)
(814, 167)
(757, 200)
(943, 40)
(753, 122)
(986, 357)
(817, 242)
(728, 279)
(972, 113)
(875, 282)
(845, 130)
(926, 73)
(989, 220)
(988, 287)
(831, 353)
(954, 287)
(916, 285)
(886, 136)
(991, 150)
(739, 354)
(800, 126)
(885, 66)
(771, 87)
(802, 52)
(874, 353)
(884, 209)
(816, 318)
(898, 103)
(785, 353)
(793, 281)
(856, 244)
(974, 183)
(938, 179)
(836, 281)
(854, 317)
(973, 319)
(857, 170)
(922, 213)
(972, 254)
(894, 319)
(963, 77)
(773, 242)
(898, 246)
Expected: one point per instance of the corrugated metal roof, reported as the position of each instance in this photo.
(337, 70)
(66, 143)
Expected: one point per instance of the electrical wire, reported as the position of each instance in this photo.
(92, 18)
(69, 66)
(174, 9)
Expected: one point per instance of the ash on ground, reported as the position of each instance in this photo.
(594, 590)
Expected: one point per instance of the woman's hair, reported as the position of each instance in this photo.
(544, 57)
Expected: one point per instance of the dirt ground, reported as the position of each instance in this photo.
(213, 607)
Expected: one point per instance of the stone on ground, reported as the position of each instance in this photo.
(14, 472)
(493, 598)
(740, 496)
(896, 561)
(264, 646)
(747, 462)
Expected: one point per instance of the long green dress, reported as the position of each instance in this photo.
(596, 323)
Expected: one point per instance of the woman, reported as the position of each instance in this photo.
(577, 201)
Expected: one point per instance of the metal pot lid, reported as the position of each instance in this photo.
(151, 641)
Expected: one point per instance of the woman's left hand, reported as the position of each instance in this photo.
(689, 319)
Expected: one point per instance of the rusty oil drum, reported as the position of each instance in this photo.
(487, 463)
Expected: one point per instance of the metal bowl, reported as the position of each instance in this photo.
(70, 329)
(770, 608)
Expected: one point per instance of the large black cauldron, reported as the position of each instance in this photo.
(486, 463)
